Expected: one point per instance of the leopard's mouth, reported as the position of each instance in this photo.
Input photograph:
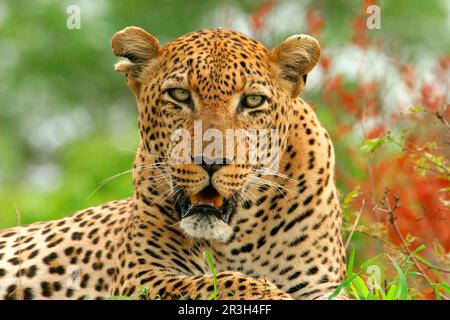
(208, 202)
(207, 197)
(205, 215)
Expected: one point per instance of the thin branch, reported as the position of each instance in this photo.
(442, 118)
(390, 212)
(375, 237)
(355, 224)
(429, 169)
(445, 170)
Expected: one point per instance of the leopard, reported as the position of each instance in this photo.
(209, 227)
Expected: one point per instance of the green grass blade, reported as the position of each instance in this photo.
(343, 285)
(361, 288)
(392, 292)
(210, 261)
(413, 253)
(351, 261)
(444, 286)
(403, 285)
(371, 260)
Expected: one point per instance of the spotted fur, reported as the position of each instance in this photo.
(281, 242)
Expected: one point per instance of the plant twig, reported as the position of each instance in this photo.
(355, 224)
(390, 212)
(445, 170)
(442, 119)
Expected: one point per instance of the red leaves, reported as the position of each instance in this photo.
(375, 132)
(257, 18)
(434, 91)
(359, 31)
(409, 76)
(357, 101)
(325, 63)
(349, 100)
(421, 214)
(431, 95)
(314, 22)
(444, 62)
(359, 27)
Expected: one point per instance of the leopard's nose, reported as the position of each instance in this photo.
(211, 165)
(211, 168)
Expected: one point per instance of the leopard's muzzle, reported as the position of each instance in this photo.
(205, 215)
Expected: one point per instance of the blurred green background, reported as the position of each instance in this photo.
(68, 121)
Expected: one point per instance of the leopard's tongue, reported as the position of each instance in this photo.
(208, 196)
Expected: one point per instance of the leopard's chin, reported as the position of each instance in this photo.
(205, 215)
(207, 227)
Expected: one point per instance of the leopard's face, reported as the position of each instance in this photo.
(214, 117)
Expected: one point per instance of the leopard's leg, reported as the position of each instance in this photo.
(230, 286)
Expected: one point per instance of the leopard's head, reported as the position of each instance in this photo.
(207, 101)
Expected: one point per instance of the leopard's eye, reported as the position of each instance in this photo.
(180, 95)
(253, 101)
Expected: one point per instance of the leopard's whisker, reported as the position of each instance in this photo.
(267, 171)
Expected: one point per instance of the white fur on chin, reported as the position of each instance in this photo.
(206, 227)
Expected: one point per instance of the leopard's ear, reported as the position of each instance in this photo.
(138, 47)
(294, 58)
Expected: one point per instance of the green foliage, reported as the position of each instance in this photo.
(389, 140)
(349, 197)
(416, 109)
(364, 284)
(86, 163)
